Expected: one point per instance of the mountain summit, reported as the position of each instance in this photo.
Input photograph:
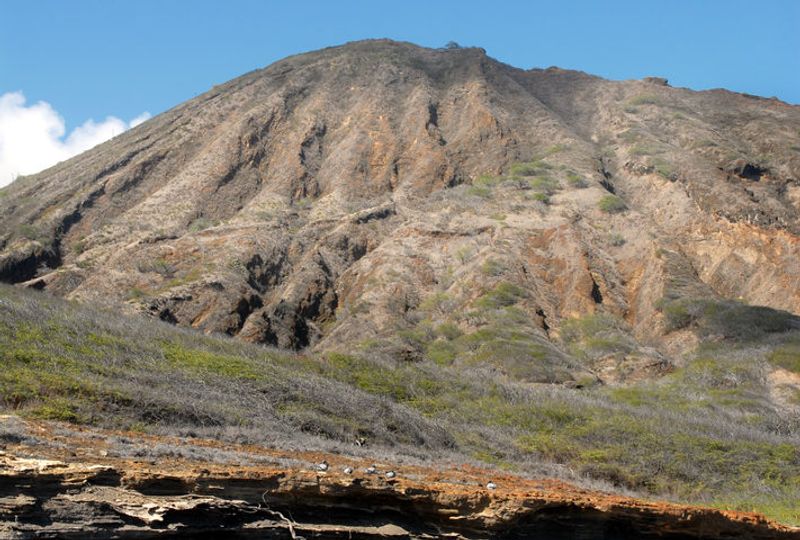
(381, 190)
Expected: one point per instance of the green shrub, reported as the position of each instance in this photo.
(480, 191)
(200, 224)
(209, 362)
(541, 197)
(611, 204)
(159, 266)
(787, 357)
(577, 181)
(644, 99)
(79, 247)
(630, 136)
(530, 168)
(642, 150)
(664, 168)
(487, 181)
(596, 335)
(449, 331)
(493, 267)
(437, 302)
(442, 352)
(616, 239)
(544, 184)
(504, 294)
(29, 231)
(726, 318)
(135, 293)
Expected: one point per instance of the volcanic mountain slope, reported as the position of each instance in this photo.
(379, 190)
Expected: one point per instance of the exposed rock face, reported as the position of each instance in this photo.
(322, 200)
(93, 493)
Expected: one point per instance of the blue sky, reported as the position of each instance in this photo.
(89, 59)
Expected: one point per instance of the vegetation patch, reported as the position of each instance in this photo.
(611, 204)
(576, 181)
(502, 295)
(728, 319)
(787, 357)
(664, 168)
(701, 433)
(529, 168)
(595, 336)
(643, 99)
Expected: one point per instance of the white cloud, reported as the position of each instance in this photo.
(32, 136)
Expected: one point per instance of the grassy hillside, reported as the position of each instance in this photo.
(712, 431)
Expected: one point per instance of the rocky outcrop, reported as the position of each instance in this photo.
(90, 491)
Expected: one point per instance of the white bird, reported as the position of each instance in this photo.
(322, 467)
(390, 475)
(348, 470)
(491, 485)
(372, 469)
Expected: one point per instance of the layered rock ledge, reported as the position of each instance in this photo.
(75, 485)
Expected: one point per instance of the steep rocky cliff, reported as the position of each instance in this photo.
(344, 195)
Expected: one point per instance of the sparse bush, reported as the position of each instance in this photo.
(611, 204)
(787, 357)
(530, 168)
(704, 143)
(664, 168)
(79, 247)
(541, 197)
(439, 302)
(616, 239)
(504, 294)
(442, 352)
(544, 184)
(303, 203)
(136, 293)
(159, 266)
(594, 336)
(725, 318)
(642, 149)
(576, 181)
(487, 181)
(480, 191)
(464, 254)
(449, 331)
(555, 149)
(493, 267)
(644, 99)
(29, 231)
(200, 224)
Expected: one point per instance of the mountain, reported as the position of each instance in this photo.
(509, 266)
(322, 200)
